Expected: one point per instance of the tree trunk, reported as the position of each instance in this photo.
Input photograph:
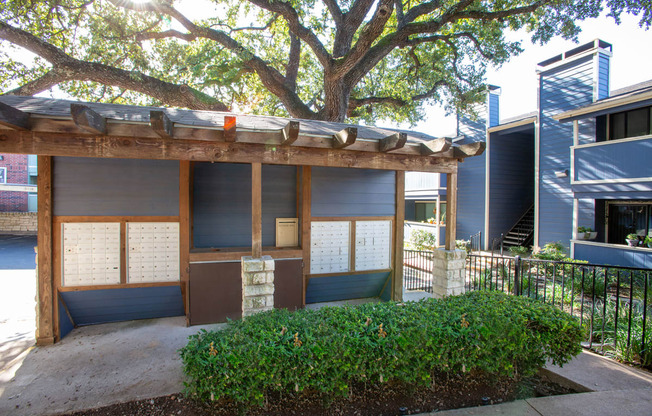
(336, 100)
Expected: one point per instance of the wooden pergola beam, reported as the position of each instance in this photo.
(13, 117)
(435, 146)
(161, 124)
(290, 133)
(345, 137)
(229, 129)
(392, 142)
(87, 119)
(469, 149)
(80, 145)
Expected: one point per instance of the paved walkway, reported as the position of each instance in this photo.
(611, 389)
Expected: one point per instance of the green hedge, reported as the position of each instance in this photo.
(328, 350)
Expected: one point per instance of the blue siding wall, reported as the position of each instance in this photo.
(222, 205)
(111, 305)
(586, 213)
(332, 288)
(344, 192)
(614, 160)
(386, 295)
(640, 258)
(94, 186)
(562, 88)
(65, 324)
(279, 198)
(494, 110)
(511, 180)
(603, 76)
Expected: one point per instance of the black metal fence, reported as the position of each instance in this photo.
(475, 241)
(417, 270)
(612, 303)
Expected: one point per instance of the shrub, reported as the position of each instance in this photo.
(551, 251)
(329, 350)
(518, 250)
(463, 245)
(423, 240)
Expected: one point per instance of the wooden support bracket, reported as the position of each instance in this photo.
(468, 150)
(436, 146)
(13, 117)
(393, 142)
(161, 124)
(87, 119)
(229, 128)
(345, 137)
(290, 133)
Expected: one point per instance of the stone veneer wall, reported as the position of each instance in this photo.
(18, 223)
(448, 273)
(257, 285)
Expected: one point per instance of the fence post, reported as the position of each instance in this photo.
(517, 275)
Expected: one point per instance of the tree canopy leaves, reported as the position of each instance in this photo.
(328, 60)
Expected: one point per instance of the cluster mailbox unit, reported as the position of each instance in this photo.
(150, 212)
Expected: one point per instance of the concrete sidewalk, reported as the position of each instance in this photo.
(611, 389)
(97, 366)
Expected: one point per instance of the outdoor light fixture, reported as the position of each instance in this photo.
(561, 173)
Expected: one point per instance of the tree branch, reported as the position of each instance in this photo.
(335, 10)
(188, 37)
(67, 68)
(348, 26)
(294, 59)
(269, 76)
(355, 103)
(292, 18)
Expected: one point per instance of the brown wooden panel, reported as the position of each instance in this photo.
(288, 287)
(215, 292)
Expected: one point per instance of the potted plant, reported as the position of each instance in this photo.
(587, 233)
(632, 239)
(648, 241)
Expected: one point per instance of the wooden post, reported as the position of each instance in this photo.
(306, 184)
(45, 330)
(397, 281)
(256, 211)
(451, 210)
(184, 234)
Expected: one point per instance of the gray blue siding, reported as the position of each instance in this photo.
(640, 258)
(494, 110)
(563, 88)
(344, 192)
(65, 324)
(94, 186)
(111, 305)
(222, 205)
(603, 76)
(614, 160)
(332, 288)
(470, 196)
(511, 180)
(279, 198)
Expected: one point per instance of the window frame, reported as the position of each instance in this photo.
(608, 220)
(626, 135)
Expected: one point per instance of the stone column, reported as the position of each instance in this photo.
(257, 285)
(448, 273)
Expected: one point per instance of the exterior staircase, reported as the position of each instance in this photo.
(522, 232)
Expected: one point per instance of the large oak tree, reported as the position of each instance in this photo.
(327, 60)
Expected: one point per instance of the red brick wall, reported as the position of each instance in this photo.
(16, 173)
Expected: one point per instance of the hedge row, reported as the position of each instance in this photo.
(328, 350)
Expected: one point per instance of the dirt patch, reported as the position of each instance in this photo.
(393, 399)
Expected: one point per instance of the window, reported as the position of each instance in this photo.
(3, 175)
(424, 211)
(631, 123)
(629, 218)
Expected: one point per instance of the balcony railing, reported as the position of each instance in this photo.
(614, 162)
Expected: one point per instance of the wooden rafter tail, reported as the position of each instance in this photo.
(290, 133)
(87, 119)
(161, 124)
(436, 146)
(13, 117)
(345, 137)
(392, 142)
(229, 128)
(469, 149)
